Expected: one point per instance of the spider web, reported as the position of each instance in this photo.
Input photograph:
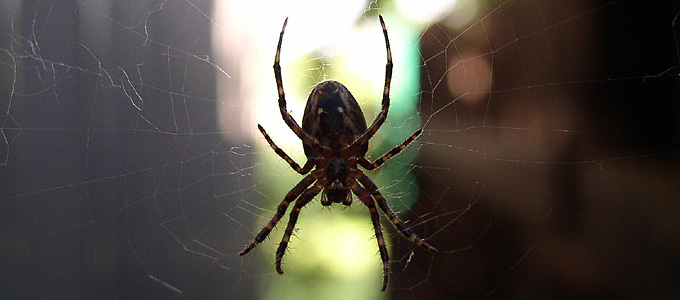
(131, 166)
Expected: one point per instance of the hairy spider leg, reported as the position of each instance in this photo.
(382, 115)
(382, 203)
(307, 196)
(311, 162)
(366, 198)
(281, 210)
(292, 124)
(378, 162)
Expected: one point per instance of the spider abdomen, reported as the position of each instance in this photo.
(333, 116)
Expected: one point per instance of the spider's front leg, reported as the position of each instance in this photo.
(382, 115)
(307, 196)
(306, 138)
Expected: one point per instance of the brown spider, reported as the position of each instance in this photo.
(335, 140)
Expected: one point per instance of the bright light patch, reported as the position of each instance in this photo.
(363, 63)
(336, 253)
(424, 10)
(470, 77)
(247, 37)
(342, 247)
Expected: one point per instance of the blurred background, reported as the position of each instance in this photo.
(131, 166)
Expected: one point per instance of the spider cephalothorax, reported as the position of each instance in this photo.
(335, 139)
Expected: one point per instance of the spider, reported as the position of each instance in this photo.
(335, 140)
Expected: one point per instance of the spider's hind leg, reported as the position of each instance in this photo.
(307, 196)
(382, 203)
(366, 198)
(280, 211)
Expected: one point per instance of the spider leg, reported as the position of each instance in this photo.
(378, 162)
(281, 210)
(388, 76)
(292, 124)
(382, 115)
(405, 231)
(307, 196)
(365, 197)
(306, 168)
